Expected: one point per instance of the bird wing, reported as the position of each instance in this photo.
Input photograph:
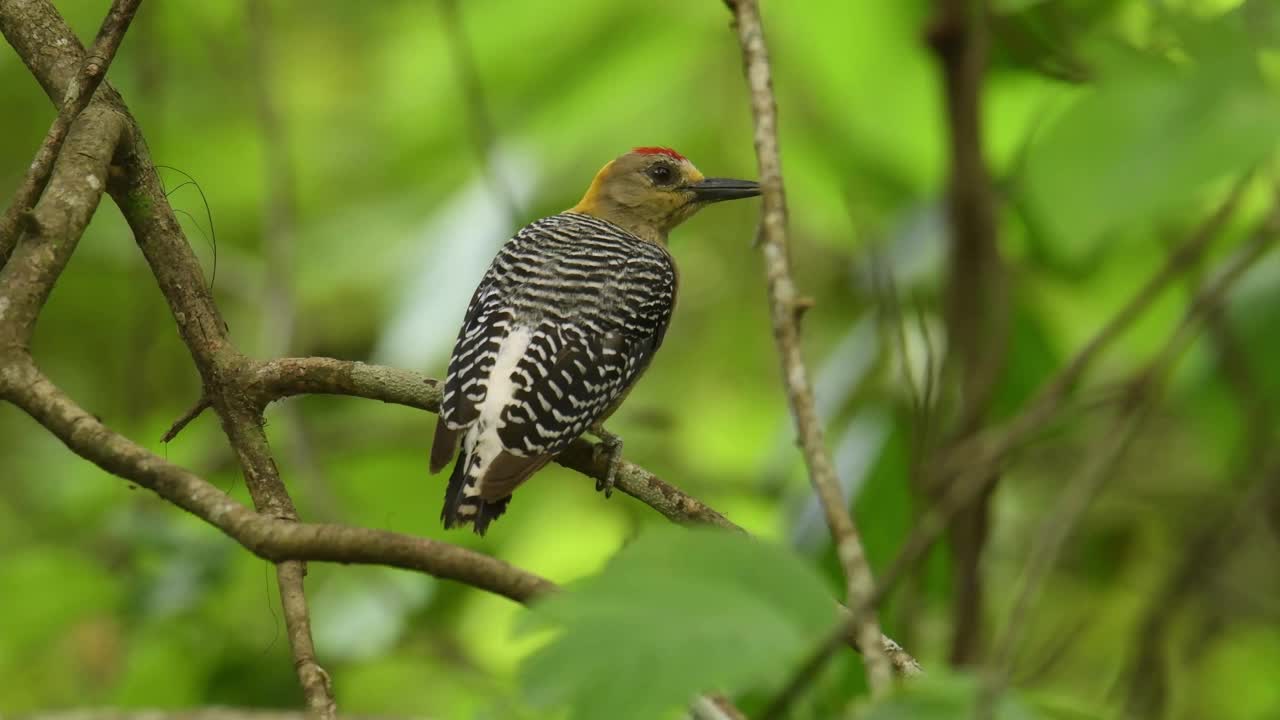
(486, 323)
(596, 302)
(581, 362)
(484, 326)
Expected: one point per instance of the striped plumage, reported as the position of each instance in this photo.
(574, 347)
(563, 323)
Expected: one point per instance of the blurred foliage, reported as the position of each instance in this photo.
(672, 607)
(1113, 128)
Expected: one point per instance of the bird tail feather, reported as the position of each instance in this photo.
(462, 501)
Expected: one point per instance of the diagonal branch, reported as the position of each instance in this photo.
(75, 186)
(141, 198)
(971, 464)
(79, 92)
(933, 522)
(271, 538)
(1076, 498)
(283, 541)
(786, 309)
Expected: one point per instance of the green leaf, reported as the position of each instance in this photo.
(676, 613)
(941, 696)
(1146, 139)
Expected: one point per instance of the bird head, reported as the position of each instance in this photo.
(651, 190)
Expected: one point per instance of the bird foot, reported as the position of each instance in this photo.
(611, 444)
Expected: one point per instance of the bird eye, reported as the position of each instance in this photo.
(661, 173)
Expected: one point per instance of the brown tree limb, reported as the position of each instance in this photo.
(79, 92)
(977, 308)
(287, 377)
(281, 540)
(77, 181)
(142, 200)
(785, 311)
(268, 537)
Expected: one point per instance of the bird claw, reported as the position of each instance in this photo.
(611, 444)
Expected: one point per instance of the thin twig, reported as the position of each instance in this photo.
(317, 687)
(1147, 681)
(969, 465)
(995, 443)
(1147, 684)
(78, 95)
(932, 523)
(1077, 496)
(783, 298)
(182, 422)
(1062, 518)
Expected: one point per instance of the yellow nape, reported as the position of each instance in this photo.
(590, 203)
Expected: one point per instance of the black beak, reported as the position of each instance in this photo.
(716, 189)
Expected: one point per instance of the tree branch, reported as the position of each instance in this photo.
(970, 464)
(933, 522)
(57, 221)
(785, 310)
(1075, 499)
(977, 308)
(142, 200)
(268, 537)
(287, 377)
(79, 92)
(1060, 521)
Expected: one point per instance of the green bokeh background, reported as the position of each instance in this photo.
(1113, 128)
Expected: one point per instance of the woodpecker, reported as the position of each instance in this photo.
(563, 323)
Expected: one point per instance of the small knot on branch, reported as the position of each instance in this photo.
(800, 306)
(94, 66)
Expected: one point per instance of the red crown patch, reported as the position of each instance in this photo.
(658, 151)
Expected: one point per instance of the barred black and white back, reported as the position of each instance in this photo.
(562, 325)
